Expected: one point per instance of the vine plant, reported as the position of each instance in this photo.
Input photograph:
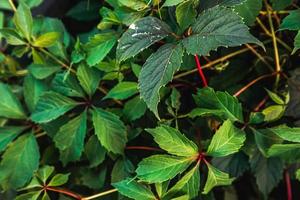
(121, 105)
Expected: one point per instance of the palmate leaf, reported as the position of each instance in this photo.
(47, 39)
(287, 133)
(157, 72)
(288, 152)
(19, 162)
(122, 90)
(212, 30)
(70, 138)
(219, 104)
(8, 134)
(227, 140)
(134, 190)
(215, 178)
(94, 151)
(10, 106)
(174, 142)
(159, 168)
(140, 35)
(50, 106)
(23, 20)
(110, 130)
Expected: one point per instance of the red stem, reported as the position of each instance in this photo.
(200, 71)
(143, 148)
(288, 186)
(63, 191)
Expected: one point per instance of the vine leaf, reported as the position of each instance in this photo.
(10, 106)
(287, 152)
(94, 151)
(19, 162)
(50, 106)
(122, 90)
(8, 134)
(70, 138)
(174, 142)
(23, 20)
(47, 39)
(291, 22)
(141, 35)
(157, 72)
(134, 190)
(212, 30)
(280, 4)
(219, 104)
(227, 140)
(110, 130)
(215, 178)
(287, 133)
(249, 10)
(159, 168)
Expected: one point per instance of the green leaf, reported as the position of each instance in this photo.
(134, 108)
(291, 22)
(174, 142)
(275, 97)
(172, 3)
(45, 172)
(225, 3)
(67, 84)
(213, 30)
(268, 172)
(227, 140)
(19, 162)
(273, 113)
(296, 43)
(298, 174)
(140, 35)
(29, 196)
(137, 5)
(186, 14)
(157, 72)
(288, 152)
(47, 39)
(184, 197)
(159, 168)
(70, 138)
(99, 46)
(41, 71)
(23, 20)
(264, 139)
(94, 151)
(220, 104)
(122, 169)
(287, 133)
(10, 106)
(89, 78)
(8, 134)
(134, 190)
(110, 130)
(215, 178)
(58, 180)
(12, 37)
(33, 89)
(189, 183)
(50, 106)
(249, 10)
(122, 90)
(280, 4)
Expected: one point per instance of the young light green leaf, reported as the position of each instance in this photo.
(122, 90)
(12, 37)
(70, 138)
(44, 173)
(134, 190)
(215, 178)
(287, 133)
(137, 5)
(134, 108)
(94, 151)
(141, 35)
(47, 39)
(249, 10)
(23, 20)
(89, 78)
(273, 113)
(8, 134)
(227, 140)
(58, 180)
(157, 72)
(212, 30)
(275, 97)
(10, 106)
(221, 104)
(298, 174)
(110, 130)
(159, 168)
(33, 89)
(291, 22)
(174, 142)
(50, 106)
(19, 162)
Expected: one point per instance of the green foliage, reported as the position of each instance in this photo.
(110, 97)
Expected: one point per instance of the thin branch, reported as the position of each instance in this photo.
(99, 194)
(243, 89)
(288, 185)
(66, 192)
(142, 148)
(203, 78)
(260, 57)
(12, 5)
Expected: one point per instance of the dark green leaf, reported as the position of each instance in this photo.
(280, 4)
(291, 22)
(134, 108)
(186, 14)
(249, 10)
(94, 151)
(8, 134)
